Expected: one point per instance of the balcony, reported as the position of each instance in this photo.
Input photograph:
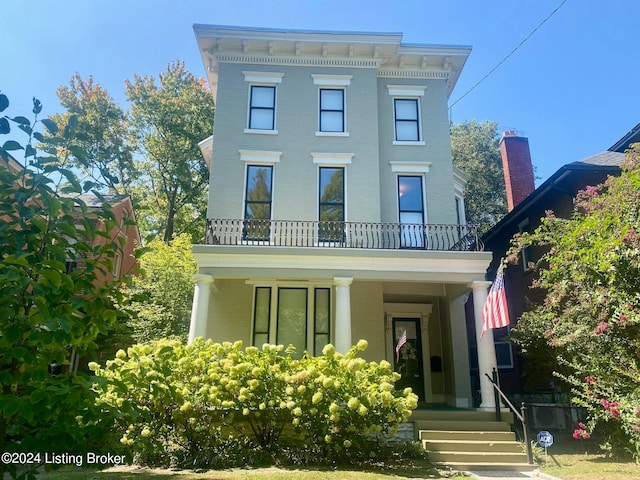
(362, 235)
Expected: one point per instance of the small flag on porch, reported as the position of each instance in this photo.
(401, 341)
(495, 313)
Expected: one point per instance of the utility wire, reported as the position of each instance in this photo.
(509, 54)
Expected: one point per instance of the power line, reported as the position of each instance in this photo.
(509, 54)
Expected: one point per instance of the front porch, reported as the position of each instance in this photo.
(312, 296)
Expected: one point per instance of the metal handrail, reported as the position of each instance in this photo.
(522, 416)
(336, 234)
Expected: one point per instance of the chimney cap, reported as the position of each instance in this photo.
(512, 132)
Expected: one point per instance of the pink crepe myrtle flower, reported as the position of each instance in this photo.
(601, 328)
(581, 433)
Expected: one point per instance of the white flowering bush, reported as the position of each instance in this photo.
(210, 404)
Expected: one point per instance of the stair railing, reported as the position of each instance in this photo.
(521, 415)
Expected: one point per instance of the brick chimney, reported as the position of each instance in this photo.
(518, 170)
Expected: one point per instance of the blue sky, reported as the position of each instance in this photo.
(571, 88)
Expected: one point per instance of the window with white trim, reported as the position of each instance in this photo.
(331, 110)
(332, 105)
(407, 119)
(407, 124)
(257, 203)
(262, 108)
(331, 204)
(261, 115)
(411, 211)
(292, 315)
(504, 354)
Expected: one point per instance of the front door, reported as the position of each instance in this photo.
(408, 355)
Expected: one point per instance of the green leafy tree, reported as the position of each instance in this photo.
(476, 151)
(160, 297)
(99, 148)
(169, 119)
(590, 318)
(48, 312)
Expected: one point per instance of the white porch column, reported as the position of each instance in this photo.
(200, 308)
(343, 313)
(486, 348)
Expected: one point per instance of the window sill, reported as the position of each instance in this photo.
(261, 132)
(332, 134)
(401, 142)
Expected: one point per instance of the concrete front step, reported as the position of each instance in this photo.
(472, 446)
(445, 424)
(479, 436)
(470, 440)
(486, 467)
(478, 457)
(459, 415)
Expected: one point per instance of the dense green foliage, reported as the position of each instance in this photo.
(149, 151)
(160, 296)
(48, 312)
(99, 145)
(476, 151)
(218, 405)
(590, 319)
(168, 120)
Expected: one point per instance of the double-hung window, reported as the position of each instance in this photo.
(331, 204)
(411, 211)
(331, 110)
(407, 125)
(332, 105)
(262, 110)
(407, 120)
(257, 204)
(292, 315)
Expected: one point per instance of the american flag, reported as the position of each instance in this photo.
(495, 313)
(401, 341)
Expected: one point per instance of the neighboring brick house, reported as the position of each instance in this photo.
(335, 212)
(527, 206)
(125, 233)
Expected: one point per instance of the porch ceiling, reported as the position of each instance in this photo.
(293, 263)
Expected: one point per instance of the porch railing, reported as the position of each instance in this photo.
(364, 235)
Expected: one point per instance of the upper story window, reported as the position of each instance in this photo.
(262, 108)
(331, 204)
(527, 253)
(332, 111)
(407, 114)
(411, 211)
(407, 120)
(262, 114)
(257, 204)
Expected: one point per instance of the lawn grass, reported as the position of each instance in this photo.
(132, 473)
(571, 459)
(409, 471)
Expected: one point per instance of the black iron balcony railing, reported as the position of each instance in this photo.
(364, 235)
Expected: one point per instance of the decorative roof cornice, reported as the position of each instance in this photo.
(382, 51)
(298, 61)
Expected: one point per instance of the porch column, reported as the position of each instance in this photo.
(486, 348)
(200, 308)
(343, 313)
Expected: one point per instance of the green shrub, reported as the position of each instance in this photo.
(210, 404)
